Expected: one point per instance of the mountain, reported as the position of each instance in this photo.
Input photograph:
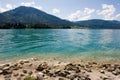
(29, 15)
(99, 24)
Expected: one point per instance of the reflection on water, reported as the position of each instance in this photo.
(106, 36)
(72, 42)
(79, 37)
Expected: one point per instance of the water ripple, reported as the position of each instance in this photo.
(63, 41)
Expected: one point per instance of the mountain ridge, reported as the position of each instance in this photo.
(30, 15)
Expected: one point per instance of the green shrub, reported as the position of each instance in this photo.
(29, 78)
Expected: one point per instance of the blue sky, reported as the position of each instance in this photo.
(73, 10)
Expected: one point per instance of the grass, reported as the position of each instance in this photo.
(29, 78)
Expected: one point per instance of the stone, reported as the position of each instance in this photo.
(50, 73)
(16, 64)
(42, 66)
(34, 59)
(19, 78)
(105, 66)
(7, 77)
(59, 62)
(110, 69)
(45, 71)
(118, 71)
(1, 67)
(62, 73)
(61, 78)
(6, 65)
(94, 63)
(115, 73)
(26, 61)
(89, 65)
(87, 78)
(20, 67)
(30, 65)
(5, 72)
(84, 77)
(24, 71)
(1, 71)
(6, 68)
(15, 68)
(21, 62)
(105, 78)
(15, 74)
(71, 77)
(40, 76)
(22, 75)
(30, 72)
(102, 71)
(72, 67)
(88, 70)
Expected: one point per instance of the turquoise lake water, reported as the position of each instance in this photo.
(22, 43)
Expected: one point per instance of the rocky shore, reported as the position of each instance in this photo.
(37, 69)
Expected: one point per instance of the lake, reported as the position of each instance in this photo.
(93, 43)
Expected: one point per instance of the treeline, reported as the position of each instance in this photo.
(30, 26)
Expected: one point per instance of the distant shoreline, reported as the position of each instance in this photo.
(45, 26)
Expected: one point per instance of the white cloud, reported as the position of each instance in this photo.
(81, 15)
(9, 6)
(55, 11)
(38, 7)
(88, 10)
(2, 9)
(31, 4)
(117, 16)
(28, 3)
(75, 16)
(107, 12)
(85, 17)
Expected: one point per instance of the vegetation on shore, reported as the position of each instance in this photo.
(30, 26)
(36, 26)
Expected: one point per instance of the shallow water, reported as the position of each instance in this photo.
(69, 43)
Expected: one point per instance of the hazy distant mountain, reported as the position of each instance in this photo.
(103, 24)
(29, 15)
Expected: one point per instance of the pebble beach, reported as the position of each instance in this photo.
(59, 69)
